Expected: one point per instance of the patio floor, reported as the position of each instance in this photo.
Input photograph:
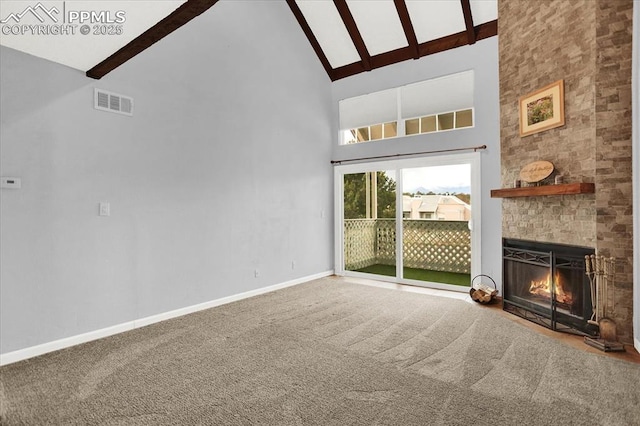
(421, 274)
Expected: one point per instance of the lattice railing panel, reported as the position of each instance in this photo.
(386, 241)
(437, 245)
(359, 243)
(433, 245)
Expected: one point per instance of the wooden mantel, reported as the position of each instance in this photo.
(535, 191)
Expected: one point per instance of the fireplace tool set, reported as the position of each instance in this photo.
(601, 271)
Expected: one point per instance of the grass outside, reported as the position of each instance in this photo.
(421, 274)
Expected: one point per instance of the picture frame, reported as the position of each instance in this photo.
(542, 109)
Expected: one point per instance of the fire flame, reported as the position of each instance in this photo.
(543, 288)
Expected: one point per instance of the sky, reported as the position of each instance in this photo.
(451, 178)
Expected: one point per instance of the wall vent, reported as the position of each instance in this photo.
(112, 102)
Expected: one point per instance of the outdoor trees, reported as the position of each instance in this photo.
(355, 205)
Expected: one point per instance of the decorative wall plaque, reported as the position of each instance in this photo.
(536, 171)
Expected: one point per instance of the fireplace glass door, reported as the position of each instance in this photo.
(547, 284)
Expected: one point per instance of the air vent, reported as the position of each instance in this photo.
(113, 102)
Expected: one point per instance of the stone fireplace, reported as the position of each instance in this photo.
(588, 45)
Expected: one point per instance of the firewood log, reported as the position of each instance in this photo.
(481, 296)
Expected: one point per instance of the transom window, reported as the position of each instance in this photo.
(439, 122)
(436, 105)
(371, 133)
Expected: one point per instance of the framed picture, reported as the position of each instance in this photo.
(542, 109)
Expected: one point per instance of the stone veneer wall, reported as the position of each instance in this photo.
(614, 192)
(587, 44)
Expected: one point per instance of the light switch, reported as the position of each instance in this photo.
(105, 209)
(11, 183)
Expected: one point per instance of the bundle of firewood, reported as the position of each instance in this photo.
(483, 293)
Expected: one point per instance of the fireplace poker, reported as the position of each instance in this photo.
(589, 262)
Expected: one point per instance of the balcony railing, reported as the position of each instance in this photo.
(427, 244)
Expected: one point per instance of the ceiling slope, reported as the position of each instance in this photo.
(77, 33)
(179, 17)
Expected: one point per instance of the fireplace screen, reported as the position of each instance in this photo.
(547, 284)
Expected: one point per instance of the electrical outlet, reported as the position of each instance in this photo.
(293, 264)
(105, 209)
(256, 273)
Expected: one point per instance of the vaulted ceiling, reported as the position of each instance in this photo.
(348, 36)
(353, 36)
(74, 49)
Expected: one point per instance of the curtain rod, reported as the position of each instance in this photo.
(474, 148)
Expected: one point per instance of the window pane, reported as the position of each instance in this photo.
(349, 136)
(363, 134)
(428, 124)
(445, 121)
(370, 222)
(412, 127)
(376, 132)
(391, 129)
(464, 118)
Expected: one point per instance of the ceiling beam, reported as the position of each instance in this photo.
(468, 21)
(354, 33)
(310, 36)
(185, 13)
(482, 31)
(407, 26)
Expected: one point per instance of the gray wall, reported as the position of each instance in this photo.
(482, 57)
(224, 169)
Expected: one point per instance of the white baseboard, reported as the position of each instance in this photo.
(636, 344)
(22, 354)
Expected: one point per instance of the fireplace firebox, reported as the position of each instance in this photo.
(546, 283)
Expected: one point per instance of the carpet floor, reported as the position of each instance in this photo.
(327, 352)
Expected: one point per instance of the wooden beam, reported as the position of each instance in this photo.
(444, 43)
(407, 26)
(486, 30)
(468, 21)
(348, 70)
(352, 29)
(311, 37)
(179, 17)
(482, 31)
(392, 57)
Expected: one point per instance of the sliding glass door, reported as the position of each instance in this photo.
(369, 222)
(410, 221)
(436, 240)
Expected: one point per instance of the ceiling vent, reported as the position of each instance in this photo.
(112, 102)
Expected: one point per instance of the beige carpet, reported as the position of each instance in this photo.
(325, 353)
